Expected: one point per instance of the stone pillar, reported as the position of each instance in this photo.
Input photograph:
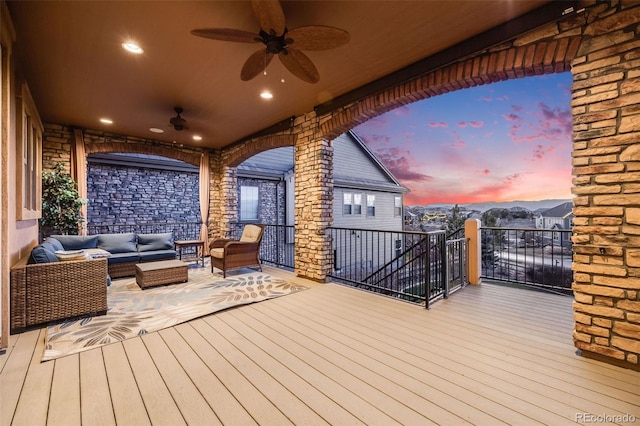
(313, 201)
(606, 160)
(474, 256)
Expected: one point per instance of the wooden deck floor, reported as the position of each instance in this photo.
(331, 355)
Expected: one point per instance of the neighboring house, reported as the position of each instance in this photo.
(558, 217)
(366, 195)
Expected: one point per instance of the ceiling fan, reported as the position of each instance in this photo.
(178, 122)
(281, 41)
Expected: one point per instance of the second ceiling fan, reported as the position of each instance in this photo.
(279, 40)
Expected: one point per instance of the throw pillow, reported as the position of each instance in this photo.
(77, 242)
(117, 243)
(43, 253)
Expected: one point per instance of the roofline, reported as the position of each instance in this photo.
(375, 159)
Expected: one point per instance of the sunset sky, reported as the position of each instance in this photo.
(504, 141)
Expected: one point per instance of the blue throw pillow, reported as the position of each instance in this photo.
(117, 243)
(77, 242)
(153, 242)
(42, 254)
(57, 245)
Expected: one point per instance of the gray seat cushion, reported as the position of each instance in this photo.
(124, 257)
(148, 256)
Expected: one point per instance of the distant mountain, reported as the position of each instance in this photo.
(529, 205)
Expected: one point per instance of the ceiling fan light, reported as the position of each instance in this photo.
(106, 121)
(132, 47)
(156, 130)
(266, 94)
(197, 137)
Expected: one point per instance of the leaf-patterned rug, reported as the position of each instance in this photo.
(132, 311)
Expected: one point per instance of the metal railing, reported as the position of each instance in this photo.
(539, 258)
(180, 230)
(277, 246)
(412, 266)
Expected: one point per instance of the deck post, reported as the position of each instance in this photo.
(474, 262)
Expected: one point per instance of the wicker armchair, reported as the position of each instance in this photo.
(232, 254)
(44, 292)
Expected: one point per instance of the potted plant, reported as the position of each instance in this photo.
(61, 203)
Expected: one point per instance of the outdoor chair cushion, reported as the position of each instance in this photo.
(118, 243)
(77, 242)
(154, 242)
(250, 233)
(218, 253)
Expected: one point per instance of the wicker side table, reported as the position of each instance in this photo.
(151, 274)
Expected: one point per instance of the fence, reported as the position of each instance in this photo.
(413, 266)
(539, 258)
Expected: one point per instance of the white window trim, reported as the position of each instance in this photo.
(29, 131)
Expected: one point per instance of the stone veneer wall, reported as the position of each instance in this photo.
(128, 194)
(606, 159)
(118, 194)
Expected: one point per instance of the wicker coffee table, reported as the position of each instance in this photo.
(151, 274)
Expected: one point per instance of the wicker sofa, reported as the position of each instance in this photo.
(43, 292)
(125, 250)
(44, 289)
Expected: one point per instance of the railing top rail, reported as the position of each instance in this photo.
(384, 230)
(495, 228)
(457, 240)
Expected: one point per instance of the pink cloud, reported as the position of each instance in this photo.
(397, 160)
(512, 117)
(402, 111)
(487, 98)
(461, 124)
(437, 124)
(516, 108)
(476, 124)
(483, 172)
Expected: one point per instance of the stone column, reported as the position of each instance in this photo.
(313, 201)
(606, 159)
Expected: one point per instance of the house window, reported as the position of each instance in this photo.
(357, 203)
(29, 168)
(397, 207)
(346, 203)
(248, 203)
(371, 205)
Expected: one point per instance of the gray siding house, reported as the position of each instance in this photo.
(366, 194)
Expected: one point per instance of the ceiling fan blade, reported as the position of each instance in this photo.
(299, 64)
(270, 16)
(317, 37)
(227, 34)
(255, 64)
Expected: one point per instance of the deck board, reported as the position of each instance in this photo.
(95, 404)
(65, 393)
(488, 354)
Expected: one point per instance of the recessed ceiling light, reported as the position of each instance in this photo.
(106, 121)
(156, 130)
(266, 94)
(197, 138)
(132, 47)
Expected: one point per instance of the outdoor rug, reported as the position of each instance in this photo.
(132, 311)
